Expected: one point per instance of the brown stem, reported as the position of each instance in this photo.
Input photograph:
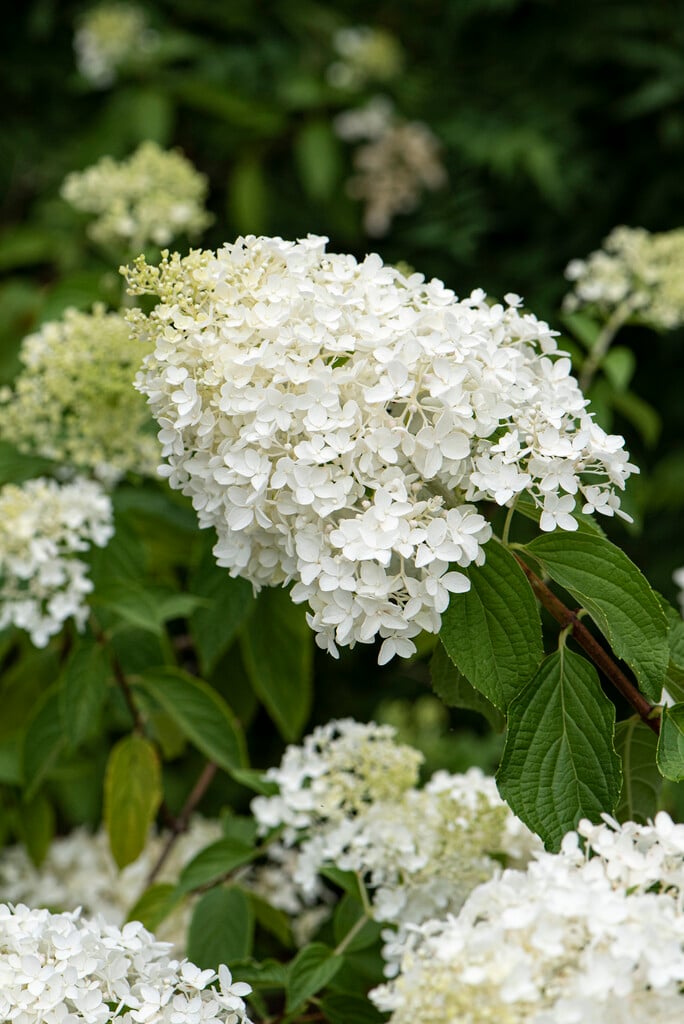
(180, 824)
(569, 620)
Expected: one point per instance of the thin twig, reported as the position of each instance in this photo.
(570, 620)
(180, 824)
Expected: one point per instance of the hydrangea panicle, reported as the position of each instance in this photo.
(572, 939)
(74, 400)
(337, 423)
(43, 526)
(151, 197)
(109, 36)
(66, 968)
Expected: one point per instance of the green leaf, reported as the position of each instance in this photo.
(348, 913)
(343, 1008)
(275, 922)
(222, 928)
(255, 780)
(155, 904)
(317, 152)
(267, 974)
(43, 743)
(15, 467)
(132, 795)
(619, 599)
(636, 745)
(214, 626)
(200, 712)
(214, 862)
(640, 414)
(37, 827)
(278, 656)
(310, 971)
(583, 327)
(248, 196)
(559, 764)
(83, 690)
(493, 632)
(671, 743)
(619, 365)
(145, 608)
(452, 687)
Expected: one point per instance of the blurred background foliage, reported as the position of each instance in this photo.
(555, 122)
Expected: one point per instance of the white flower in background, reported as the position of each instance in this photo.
(151, 197)
(340, 769)
(396, 163)
(61, 968)
(108, 37)
(335, 421)
(74, 400)
(570, 940)
(678, 577)
(636, 273)
(364, 54)
(348, 799)
(43, 526)
(79, 871)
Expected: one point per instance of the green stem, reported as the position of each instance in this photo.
(351, 934)
(619, 317)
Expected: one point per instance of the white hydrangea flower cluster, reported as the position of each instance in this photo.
(334, 421)
(79, 871)
(635, 272)
(397, 162)
(570, 940)
(43, 525)
(678, 577)
(62, 969)
(151, 197)
(74, 400)
(348, 798)
(365, 54)
(109, 36)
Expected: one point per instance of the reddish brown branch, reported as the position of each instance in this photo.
(180, 824)
(569, 620)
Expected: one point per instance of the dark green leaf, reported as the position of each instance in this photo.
(344, 1008)
(253, 779)
(636, 745)
(275, 922)
(559, 764)
(132, 794)
(229, 602)
(605, 582)
(317, 152)
(83, 689)
(671, 743)
(200, 713)
(213, 863)
(43, 742)
(278, 655)
(154, 905)
(452, 687)
(348, 913)
(37, 827)
(222, 928)
(248, 197)
(493, 632)
(310, 971)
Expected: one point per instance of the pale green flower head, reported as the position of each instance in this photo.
(365, 54)
(74, 399)
(109, 36)
(151, 197)
(639, 273)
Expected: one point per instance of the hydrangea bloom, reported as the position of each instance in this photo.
(153, 196)
(74, 399)
(61, 968)
(637, 272)
(109, 36)
(365, 54)
(42, 527)
(348, 798)
(79, 871)
(678, 577)
(335, 422)
(568, 941)
(398, 160)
